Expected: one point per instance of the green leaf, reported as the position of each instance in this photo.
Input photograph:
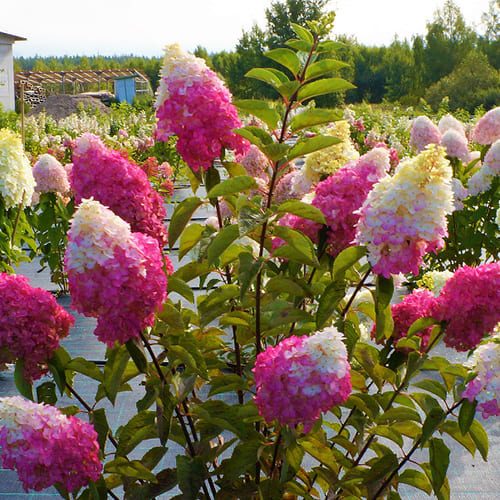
(23, 386)
(283, 313)
(398, 414)
(308, 145)
(227, 383)
(302, 33)
(323, 86)
(346, 259)
(452, 428)
(190, 237)
(433, 386)
(181, 216)
(190, 271)
(57, 365)
(276, 151)
(265, 75)
(435, 418)
(288, 89)
(222, 240)
(419, 325)
(298, 241)
(323, 67)
(191, 473)
(46, 393)
(286, 58)
(320, 452)
(248, 270)
(328, 46)
(417, 479)
(113, 371)
(98, 419)
(85, 367)
(137, 353)
(388, 432)
(249, 219)
(329, 301)
(234, 169)
(301, 209)
(312, 117)
(381, 467)
(480, 438)
(466, 415)
(130, 469)
(176, 285)
(139, 428)
(232, 185)
(280, 285)
(212, 178)
(165, 406)
(260, 109)
(300, 45)
(439, 460)
(384, 324)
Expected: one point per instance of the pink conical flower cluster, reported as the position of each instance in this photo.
(46, 447)
(193, 104)
(302, 377)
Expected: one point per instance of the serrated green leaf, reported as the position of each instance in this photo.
(398, 414)
(276, 151)
(249, 219)
(234, 169)
(46, 393)
(328, 46)
(181, 216)
(320, 452)
(248, 270)
(232, 185)
(301, 209)
(308, 145)
(286, 58)
(139, 428)
(227, 383)
(302, 33)
(280, 285)
(288, 90)
(384, 323)
(419, 325)
(260, 109)
(191, 270)
(452, 428)
(323, 86)
(381, 467)
(388, 432)
(313, 117)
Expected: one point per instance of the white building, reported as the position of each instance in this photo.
(7, 92)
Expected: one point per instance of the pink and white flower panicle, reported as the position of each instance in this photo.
(46, 447)
(193, 104)
(302, 377)
(114, 275)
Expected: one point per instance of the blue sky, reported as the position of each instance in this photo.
(59, 27)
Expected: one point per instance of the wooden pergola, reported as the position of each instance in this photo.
(79, 77)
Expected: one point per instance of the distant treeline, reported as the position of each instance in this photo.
(451, 60)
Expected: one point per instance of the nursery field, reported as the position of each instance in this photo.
(253, 299)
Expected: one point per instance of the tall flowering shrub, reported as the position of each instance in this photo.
(124, 186)
(194, 104)
(114, 274)
(46, 447)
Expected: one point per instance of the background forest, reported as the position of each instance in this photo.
(452, 60)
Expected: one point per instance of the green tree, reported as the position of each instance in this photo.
(448, 40)
(474, 82)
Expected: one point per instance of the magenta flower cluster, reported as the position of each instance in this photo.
(339, 197)
(302, 377)
(413, 306)
(31, 325)
(114, 275)
(122, 186)
(468, 303)
(194, 105)
(46, 447)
